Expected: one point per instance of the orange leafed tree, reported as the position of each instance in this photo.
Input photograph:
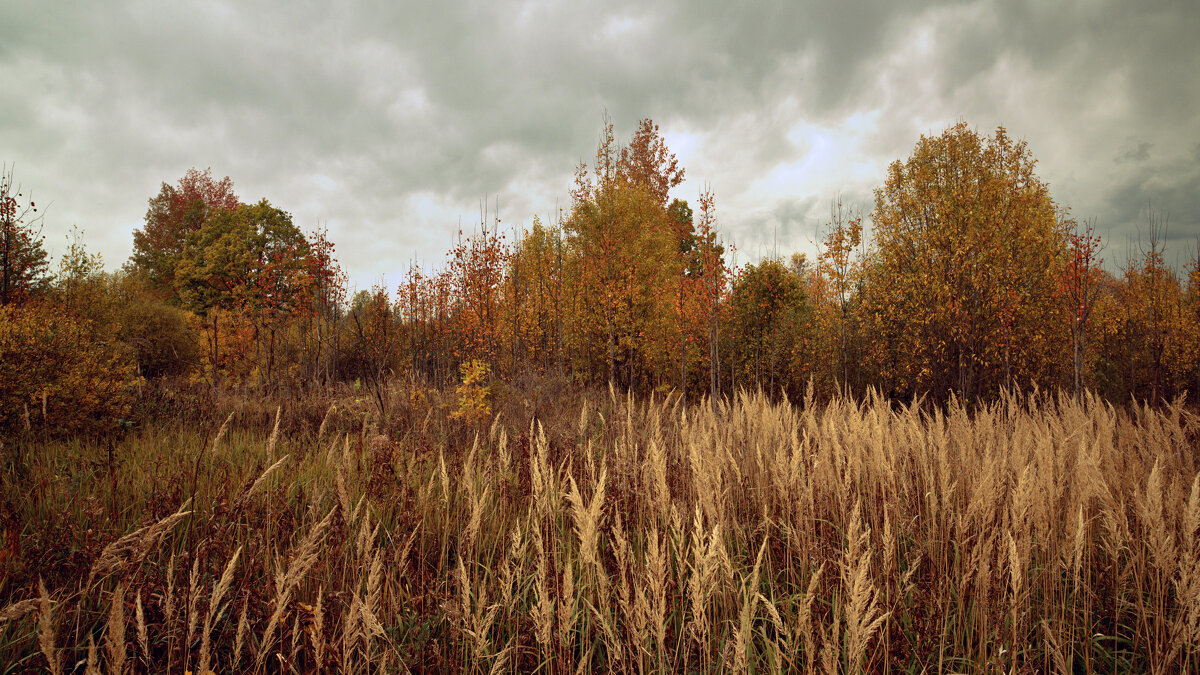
(1157, 349)
(647, 163)
(477, 265)
(534, 301)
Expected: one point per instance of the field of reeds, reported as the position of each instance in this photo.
(602, 533)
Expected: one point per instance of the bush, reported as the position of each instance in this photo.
(473, 393)
(60, 375)
(161, 337)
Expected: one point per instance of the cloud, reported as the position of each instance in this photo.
(1139, 152)
(1168, 190)
(391, 121)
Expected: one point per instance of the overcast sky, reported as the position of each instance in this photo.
(391, 121)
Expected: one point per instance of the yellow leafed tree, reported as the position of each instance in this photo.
(962, 292)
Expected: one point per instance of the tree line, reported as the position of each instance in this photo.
(970, 278)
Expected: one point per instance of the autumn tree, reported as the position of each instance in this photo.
(176, 212)
(964, 279)
(647, 163)
(619, 231)
(81, 286)
(1153, 284)
(162, 336)
(477, 264)
(59, 374)
(64, 365)
(769, 315)
(412, 307)
(686, 264)
(713, 278)
(375, 342)
(536, 302)
(23, 263)
(326, 294)
(1157, 348)
(1191, 313)
(1080, 288)
(251, 260)
(842, 267)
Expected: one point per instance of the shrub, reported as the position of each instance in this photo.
(60, 375)
(159, 336)
(473, 393)
(162, 340)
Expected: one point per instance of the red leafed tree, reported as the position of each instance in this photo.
(173, 214)
(23, 263)
(1081, 287)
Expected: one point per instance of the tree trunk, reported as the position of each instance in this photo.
(216, 356)
(4, 265)
(612, 347)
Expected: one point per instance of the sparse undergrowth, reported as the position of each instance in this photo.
(605, 533)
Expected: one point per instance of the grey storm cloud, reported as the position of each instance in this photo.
(391, 121)
(1139, 152)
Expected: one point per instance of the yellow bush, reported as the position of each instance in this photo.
(473, 393)
(60, 374)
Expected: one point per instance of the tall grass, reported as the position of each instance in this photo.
(1033, 534)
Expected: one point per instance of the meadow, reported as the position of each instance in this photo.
(593, 531)
(953, 440)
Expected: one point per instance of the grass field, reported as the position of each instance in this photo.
(595, 532)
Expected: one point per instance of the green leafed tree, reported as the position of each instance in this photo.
(250, 260)
(770, 316)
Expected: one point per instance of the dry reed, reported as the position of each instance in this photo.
(1033, 533)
